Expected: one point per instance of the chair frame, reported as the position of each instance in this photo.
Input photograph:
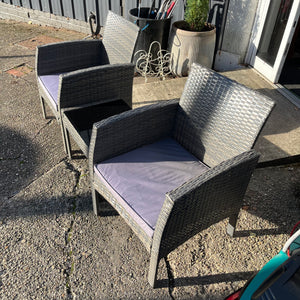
(221, 188)
(111, 91)
(165, 239)
(82, 63)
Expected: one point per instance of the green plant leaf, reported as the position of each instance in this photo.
(196, 14)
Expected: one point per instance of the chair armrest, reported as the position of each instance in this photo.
(69, 56)
(132, 129)
(204, 200)
(95, 85)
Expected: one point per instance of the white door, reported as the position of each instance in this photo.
(281, 17)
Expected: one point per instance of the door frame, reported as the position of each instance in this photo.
(271, 72)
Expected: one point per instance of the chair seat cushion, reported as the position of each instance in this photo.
(141, 178)
(50, 84)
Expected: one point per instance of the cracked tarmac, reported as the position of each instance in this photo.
(52, 245)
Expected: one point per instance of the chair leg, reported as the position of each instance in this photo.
(96, 202)
(152, 275)
(231, 224)
(43, 107)
(66, 140)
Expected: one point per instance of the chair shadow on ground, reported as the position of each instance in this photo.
(77, 154)
(24, 205)
(18, 161)
(260, 232)
(203, 280)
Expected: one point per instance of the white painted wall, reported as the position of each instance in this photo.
(238, 28)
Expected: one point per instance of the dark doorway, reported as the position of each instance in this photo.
(290, 75)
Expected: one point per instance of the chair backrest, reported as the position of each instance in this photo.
(218, 118)
(119, 38)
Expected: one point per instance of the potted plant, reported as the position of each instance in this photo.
(192, 39)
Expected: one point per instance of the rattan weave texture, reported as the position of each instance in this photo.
(95, 85)
(118, 39)
(91, 71)
(216, 119)
(69, 56)
(154, 122)
(225, 116)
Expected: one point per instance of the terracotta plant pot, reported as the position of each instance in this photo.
(187, 47)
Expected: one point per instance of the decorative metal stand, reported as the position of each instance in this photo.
(149, 66)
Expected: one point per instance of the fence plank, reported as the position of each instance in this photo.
(16, 2)
(35, 4)
(102, 11)
(115, 6)
(46, 5)
(26, 3)
(56, 7)
(90, 7)
(129, 4)
(79, 10)
(68, 8)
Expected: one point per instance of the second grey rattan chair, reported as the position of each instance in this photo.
(174, 168)
(87, 72)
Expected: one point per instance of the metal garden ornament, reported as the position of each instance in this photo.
(149, 66)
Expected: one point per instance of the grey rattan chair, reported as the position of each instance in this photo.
(174, 168)
(87, 72)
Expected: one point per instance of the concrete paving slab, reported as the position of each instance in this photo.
(20, 71)
(157, 90)
(26, 136)
(13, 56)
(109, 261)
(34, 225)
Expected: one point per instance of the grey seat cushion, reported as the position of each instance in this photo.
(141, 178)
(50, 84)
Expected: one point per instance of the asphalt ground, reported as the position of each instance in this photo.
(52, 246)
